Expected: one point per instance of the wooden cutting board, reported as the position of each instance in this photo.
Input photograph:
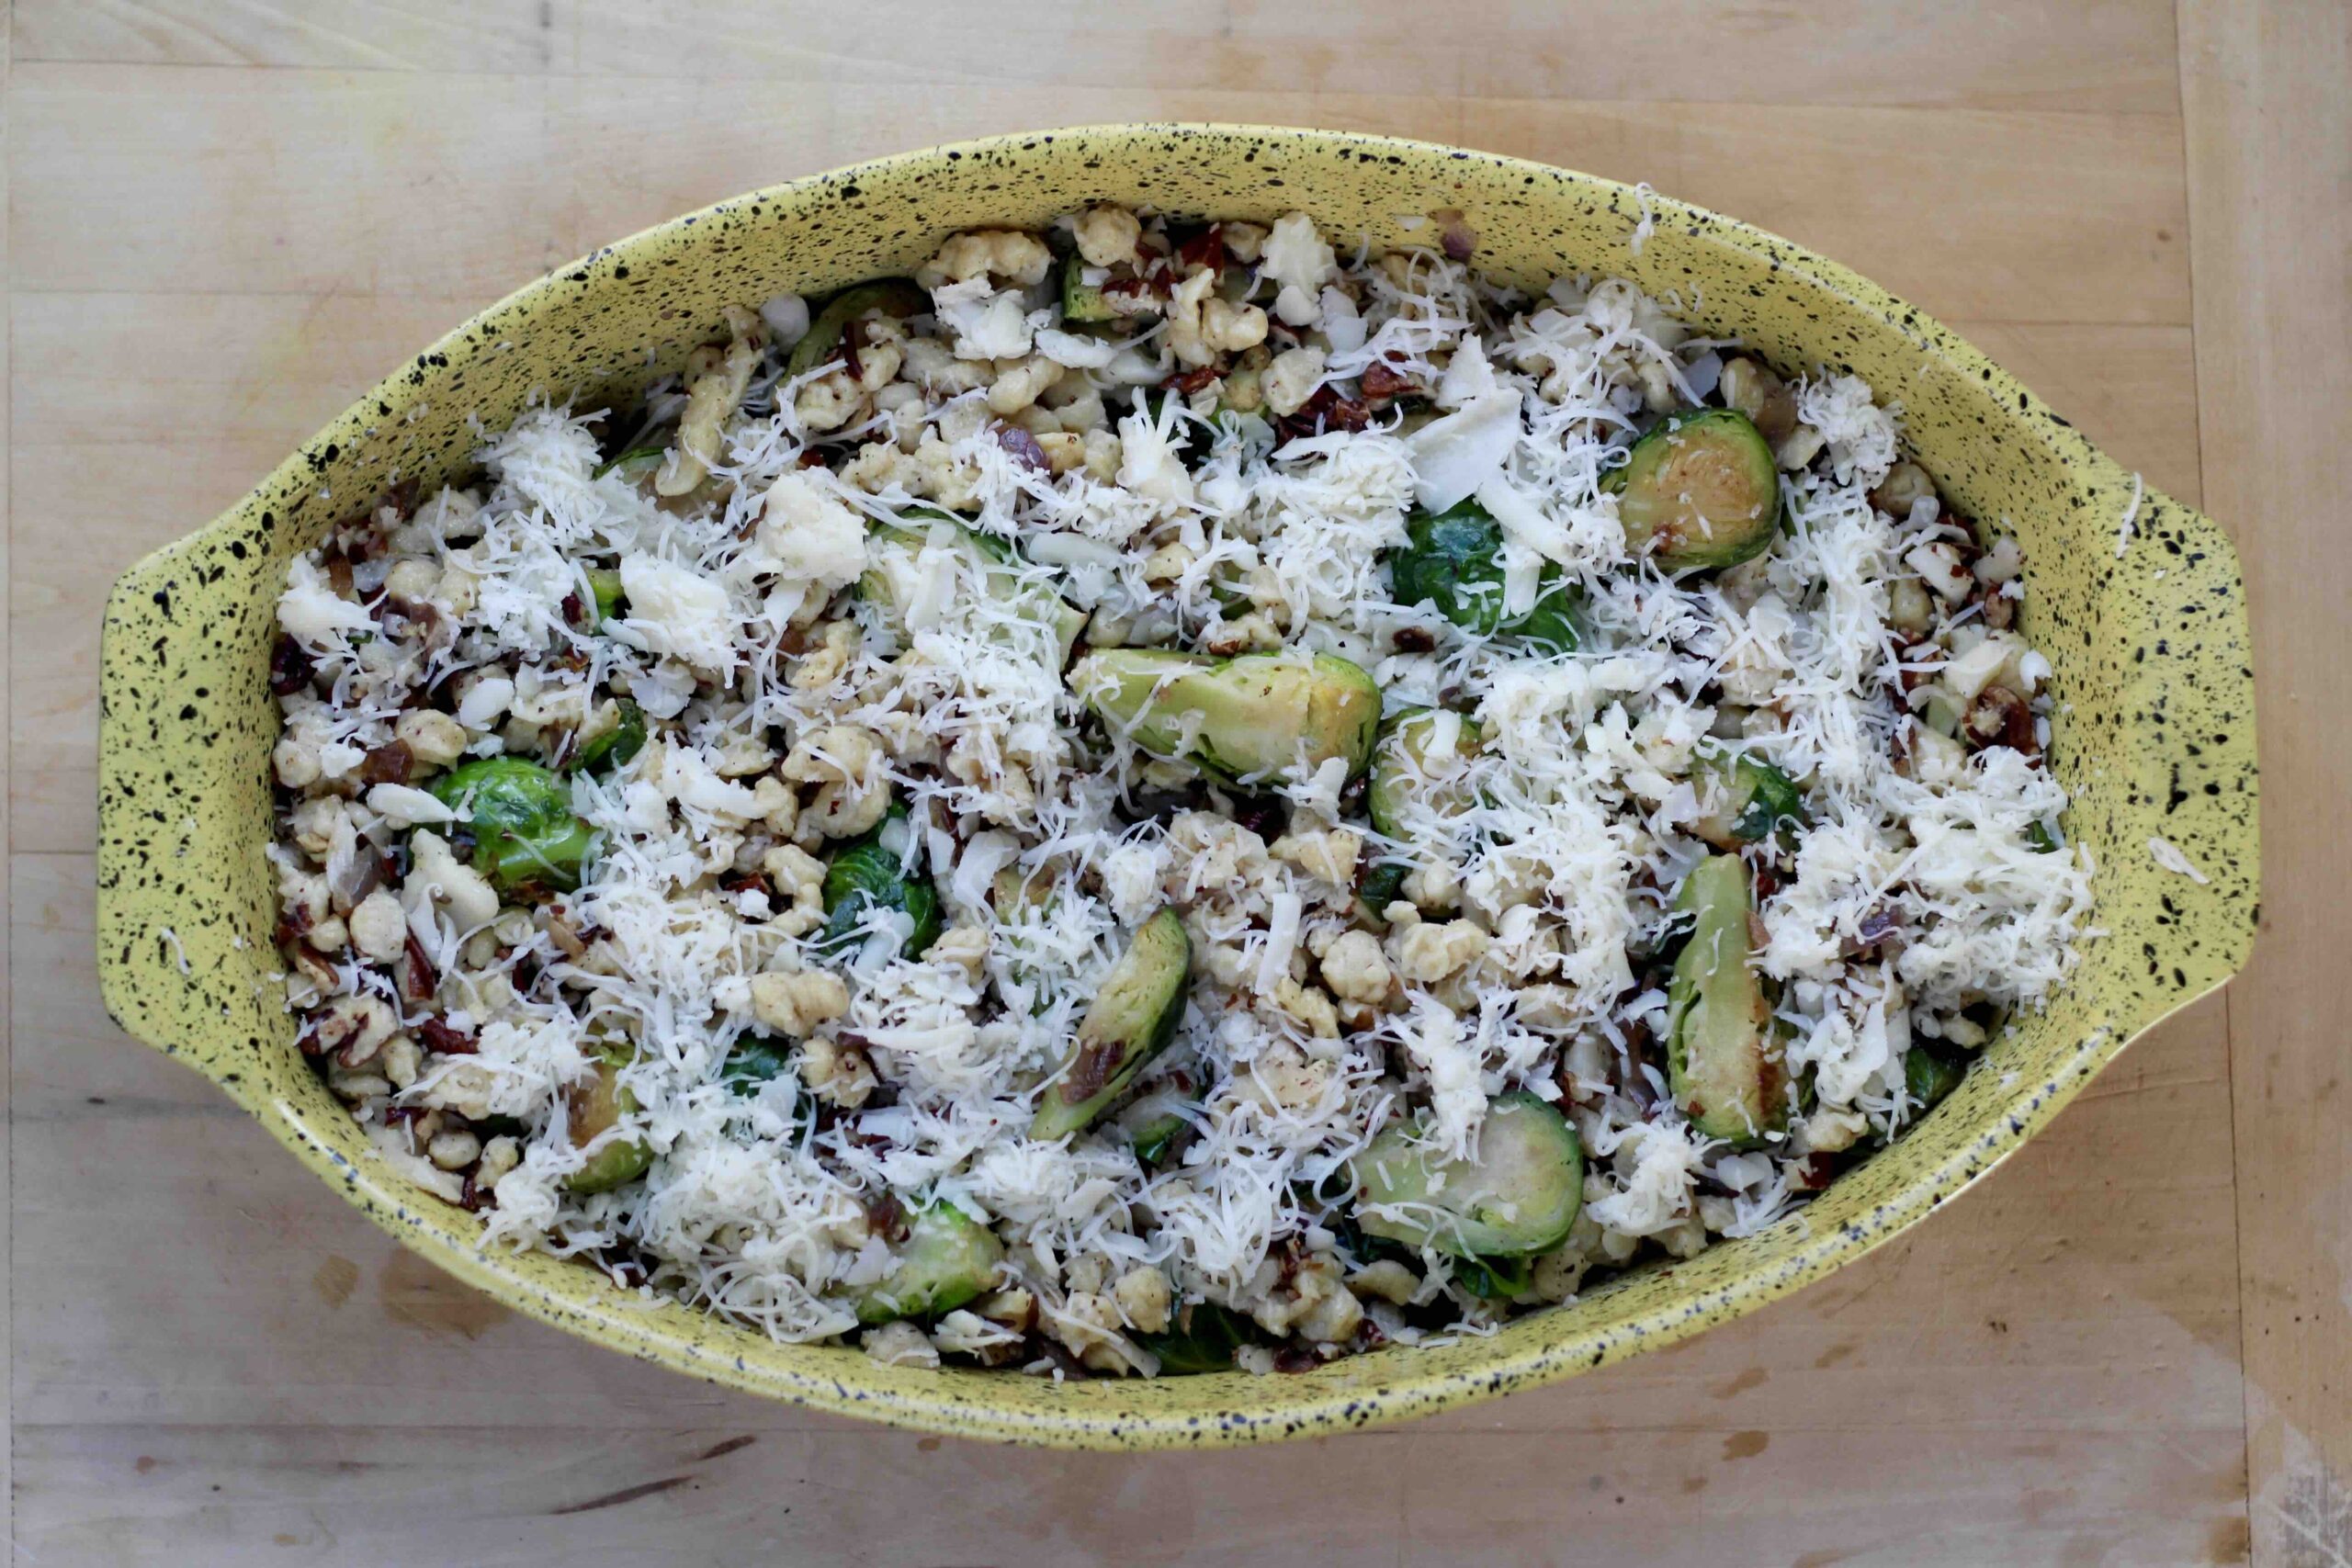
(2128, 1345)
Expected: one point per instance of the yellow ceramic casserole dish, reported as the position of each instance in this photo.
(2154, 732)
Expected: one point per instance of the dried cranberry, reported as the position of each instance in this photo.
(1206, 249)
(853, 337)
(1024, 448)
(1264, 815)
(290, 668)
(1185, 383)
(1414, 639)
(1458, 239)
(418, 976)
(444, 1038)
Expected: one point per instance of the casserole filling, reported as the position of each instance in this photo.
(1165, 795)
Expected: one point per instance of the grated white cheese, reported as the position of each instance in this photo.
(2130, 518)
(2169, 855)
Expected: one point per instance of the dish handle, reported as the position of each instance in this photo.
(2157, 736)
(185, 896)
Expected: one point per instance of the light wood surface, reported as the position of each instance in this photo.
(2130, 1345)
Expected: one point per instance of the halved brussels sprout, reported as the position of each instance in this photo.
(1156, 1121)
(1454, 560)
(605, 586)
(1237, 718)
(871, 870)
(1722, 1056)
(1418, 759)
(616, 746)
(1082, 302)
(1700, 491)
(1747, 799)
(1521, 1194)
(946, 1258)
(894, 579)
(593, 1106)
(520, 815)
(1133, 1020)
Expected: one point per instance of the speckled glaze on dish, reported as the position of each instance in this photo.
(2153, 734)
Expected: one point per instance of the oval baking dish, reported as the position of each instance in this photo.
(2136, 601)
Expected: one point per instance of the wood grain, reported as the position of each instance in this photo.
(2270, 185)
(226, 219)
(2108, 55)
(7, 763)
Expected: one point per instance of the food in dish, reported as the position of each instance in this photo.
(1156, 797)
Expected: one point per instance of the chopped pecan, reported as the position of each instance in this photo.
(1381, 382)
(1326, 411)
(568, 939)
(886, 1217)
(389, 763)
(2001, 718)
